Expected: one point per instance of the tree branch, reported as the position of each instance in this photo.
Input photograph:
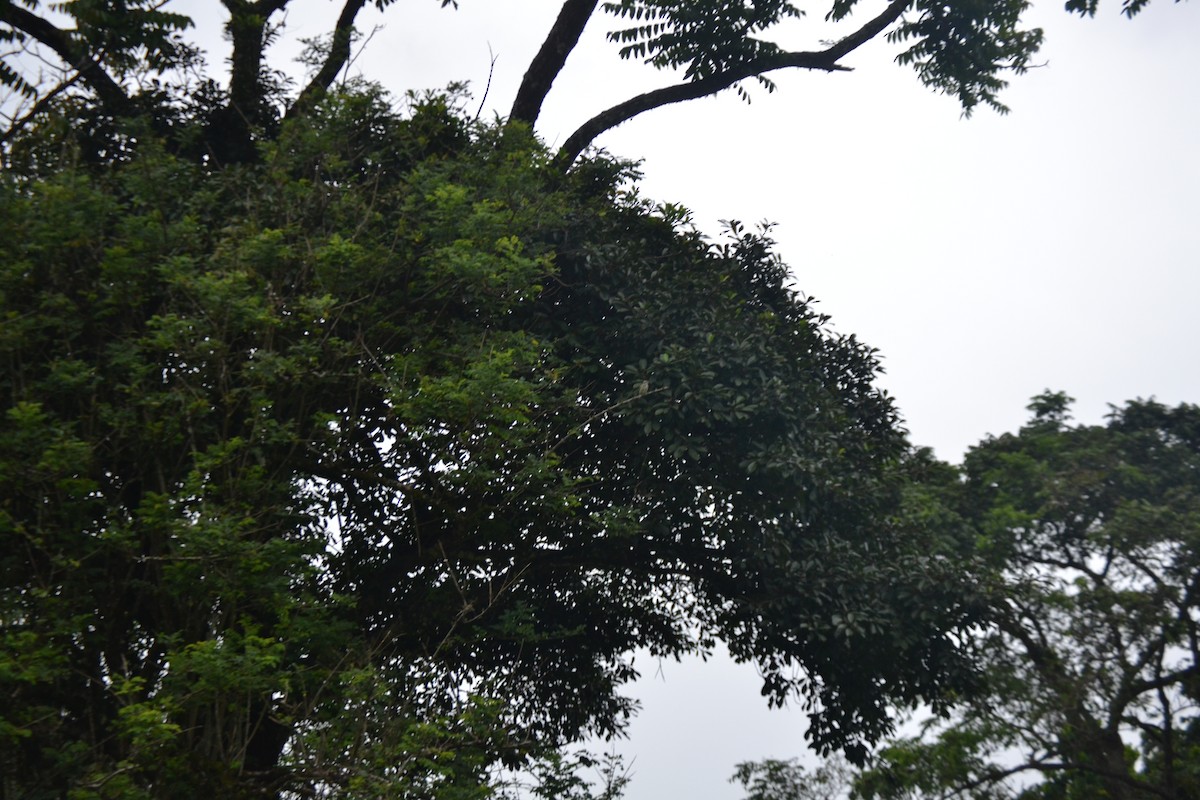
(339, 54)
(246, 27)
(825, 60)
(549, 61)
(866, 33)
(110, 93)
(1166, 680)
(994, 776)
(233, 128)
(998, 774)
(38, 107)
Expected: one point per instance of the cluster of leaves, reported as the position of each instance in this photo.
(132, 34)
(773, 779)
(703, 38)
(181, 348)
(361, 468)
(963, 48)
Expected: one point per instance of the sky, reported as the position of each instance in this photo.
(986, 258)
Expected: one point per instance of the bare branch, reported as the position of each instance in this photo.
(42, 103)
(549, 61)
(488, 88)
(825, 60)
(339, 55)
(623, 112)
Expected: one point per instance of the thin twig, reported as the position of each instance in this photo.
(488, 88)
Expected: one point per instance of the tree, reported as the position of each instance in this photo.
(112, 46)
(789, 780)
(1092, 537)
(360, 468)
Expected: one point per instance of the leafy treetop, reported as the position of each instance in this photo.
(1088, 538)
(360, 467)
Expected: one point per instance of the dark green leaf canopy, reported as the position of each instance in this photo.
(297, 456)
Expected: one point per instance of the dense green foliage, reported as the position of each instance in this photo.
(361, 468)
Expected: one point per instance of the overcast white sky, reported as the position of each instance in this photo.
(987, 259)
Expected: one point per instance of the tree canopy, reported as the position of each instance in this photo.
(357, 469)
(1092, 664)
(117, 51)
(1087, 537)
